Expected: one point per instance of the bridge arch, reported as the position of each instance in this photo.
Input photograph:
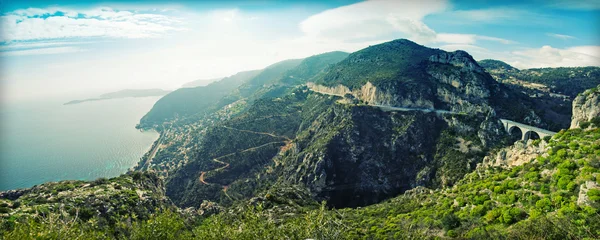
(531, 135)
(523, 131)
(516, 133)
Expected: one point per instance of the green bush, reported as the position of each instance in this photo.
(164, 226)
(584, 125)
(596, 121)
(547, 138)
(594, 195)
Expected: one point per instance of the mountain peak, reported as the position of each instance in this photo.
(492, 64)
(457, 58)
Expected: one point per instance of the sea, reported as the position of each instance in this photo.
(48, 141)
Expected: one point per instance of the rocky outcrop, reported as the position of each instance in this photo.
(582, 198)
(339, 90)
(459, 59)
(586, 106)
(518, 154)
(372, 95)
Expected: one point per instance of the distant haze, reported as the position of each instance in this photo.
(55, 50)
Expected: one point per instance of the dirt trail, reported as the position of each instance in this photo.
(262, 118)
(261, 133)
(226, 165)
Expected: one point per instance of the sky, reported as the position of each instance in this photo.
(85, 48)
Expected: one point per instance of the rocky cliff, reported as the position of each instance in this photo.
(404, 74)
(586, 107)
(516, 155)
(359, 155)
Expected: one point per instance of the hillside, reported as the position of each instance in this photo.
(200, 82)
(395, 141)
(552, 196)
(551, 90)
(568, 81)
(185, 102)
(299, 137)
(496, 65)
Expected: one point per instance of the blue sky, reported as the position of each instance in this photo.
(65, 48)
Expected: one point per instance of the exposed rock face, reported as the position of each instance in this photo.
(339, 90)
(359, 155)
(491, 132)
(586, 106)
(518, 154)
(459, 59)
(583, 198)
(385, 96)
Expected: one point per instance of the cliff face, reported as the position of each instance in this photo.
(516, 155)
(359, 155)
(412, 76)
(388, 95)
(586, 106)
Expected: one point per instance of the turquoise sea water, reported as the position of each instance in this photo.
(48, 141)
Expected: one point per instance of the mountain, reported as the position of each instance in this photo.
(395, 141)
(124, 94)
(186, 102)
(496, 65)
(550, 90)
(586, 109)
(195, 102)
(568, 81)
(200, 82)
(552, 193)
(342, 151)
(268, 75)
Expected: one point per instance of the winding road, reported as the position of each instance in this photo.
(202, 177)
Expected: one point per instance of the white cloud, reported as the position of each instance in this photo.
(455, 38)
(587, 50)
(58, 23)
(560, 36)
(548, 56)
(42, 51)
(39, 44)
(375, 19)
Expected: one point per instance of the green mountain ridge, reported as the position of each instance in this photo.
(266, 157)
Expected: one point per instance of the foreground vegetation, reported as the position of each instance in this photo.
(555, 196)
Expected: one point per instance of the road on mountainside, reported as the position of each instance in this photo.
(426, 110)
(262, 133)
(154, 150)
(390, 108)
(226, 165)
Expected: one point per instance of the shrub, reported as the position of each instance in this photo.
(166, 225)
(450, 221)
(4, 210)
(594, 195)
(478, 211)
(595, 121)
(547, 139)
(512, 215)
(584, 125)
(544, 204)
